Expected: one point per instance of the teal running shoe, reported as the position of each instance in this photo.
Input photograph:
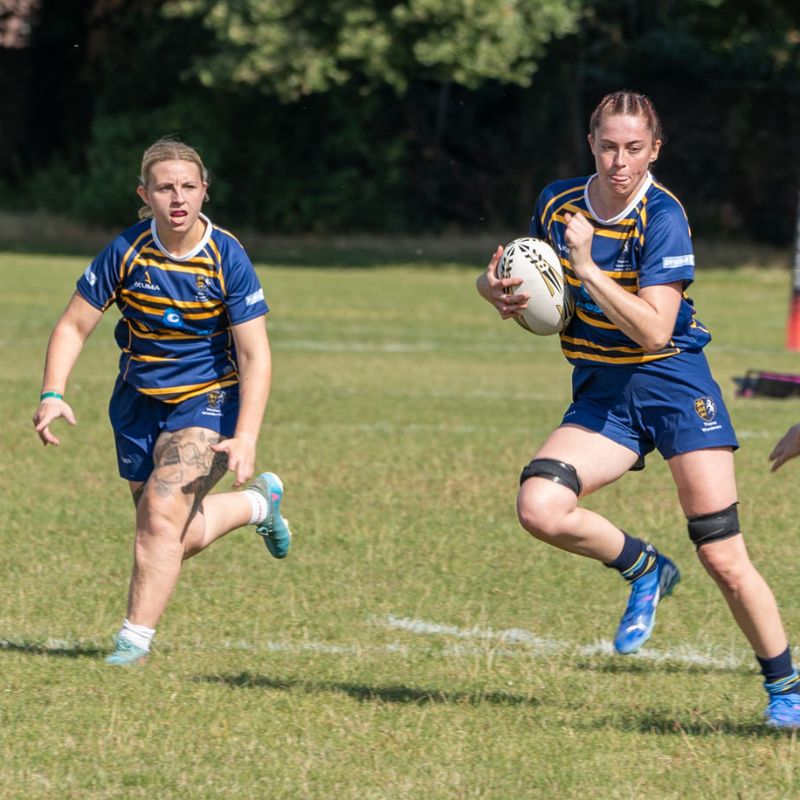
(274, 529)
(647, 592)
(126, 654)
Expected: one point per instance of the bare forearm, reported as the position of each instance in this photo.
(63, 349)
(255, 374)
(635, 317)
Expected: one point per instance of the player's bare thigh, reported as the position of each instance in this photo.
(185, 471)
(705, 480)
(597, 459)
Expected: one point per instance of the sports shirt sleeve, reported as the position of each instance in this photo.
(100, 280)
(244, 297)
(536, 228)
(667, 254)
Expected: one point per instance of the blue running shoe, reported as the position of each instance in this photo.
(783, 711)
(639, 618)
(274, 529)
(127, 654)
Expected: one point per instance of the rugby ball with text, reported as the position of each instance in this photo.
(551, 305)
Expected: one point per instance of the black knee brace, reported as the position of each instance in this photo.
(707, 528)
(556, 471)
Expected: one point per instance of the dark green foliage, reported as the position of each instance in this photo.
(394, 116)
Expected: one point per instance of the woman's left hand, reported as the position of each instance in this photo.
(241, 452)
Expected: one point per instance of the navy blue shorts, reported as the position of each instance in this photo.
(673, 405)
(138, 420)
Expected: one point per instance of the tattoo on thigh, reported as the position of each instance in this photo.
(171, 455)
(184, 460)
(186, 465)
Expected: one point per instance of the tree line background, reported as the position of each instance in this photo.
(396, 116)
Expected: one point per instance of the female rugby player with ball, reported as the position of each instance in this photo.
(192, 387)
(640, 382)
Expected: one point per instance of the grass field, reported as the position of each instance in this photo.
(416, 643)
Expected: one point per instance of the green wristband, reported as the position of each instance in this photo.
(45, 395)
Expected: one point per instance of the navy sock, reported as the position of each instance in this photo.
(780, 673)
(636, 559)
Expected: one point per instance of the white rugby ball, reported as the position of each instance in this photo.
(550, 306)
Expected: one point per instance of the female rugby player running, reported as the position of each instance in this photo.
(640, 382)
(193, 383)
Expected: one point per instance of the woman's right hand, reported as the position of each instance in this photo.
(491, 288)
(50, 410)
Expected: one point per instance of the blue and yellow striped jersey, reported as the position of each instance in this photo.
(175, 331)
(648, 244)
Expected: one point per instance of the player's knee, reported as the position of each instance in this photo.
(541, 507)
(159, 517)
(554, 470)
(714, 527)
(537, 517)
(729, 567)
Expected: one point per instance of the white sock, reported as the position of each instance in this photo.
(139, 635)
(258, 505)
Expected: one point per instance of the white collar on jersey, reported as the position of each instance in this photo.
(648, 182)
(191, 254)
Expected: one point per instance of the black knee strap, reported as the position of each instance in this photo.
(556, 471)
(707, 528)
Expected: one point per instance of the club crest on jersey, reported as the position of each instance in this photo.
(216, 398)
(706, 408)
(201, 283)
(214, 402)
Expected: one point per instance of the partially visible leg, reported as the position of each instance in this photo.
(747, 594)
(174, 519)
(713, 525)
(549, 510)
(224, 512)
(572, 463)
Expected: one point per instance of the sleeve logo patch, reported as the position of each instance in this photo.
(90, 276)
(254, 297)
(673, 262)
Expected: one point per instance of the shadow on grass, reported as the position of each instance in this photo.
(690, 723)
(368, 694)
(59, 651)
(625, 665)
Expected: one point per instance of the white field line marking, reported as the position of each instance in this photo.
(758, 434)
(476, 641)
(535, 645)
